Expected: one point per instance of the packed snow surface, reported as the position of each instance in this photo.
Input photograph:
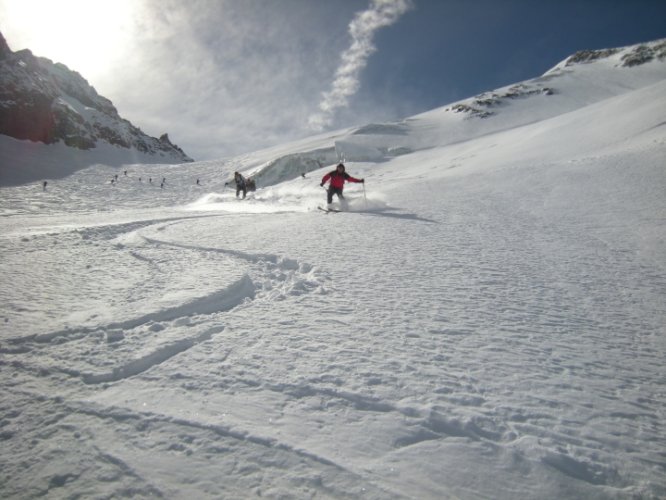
(485, 319)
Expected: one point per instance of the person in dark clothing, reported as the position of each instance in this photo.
(240, 184)
(337, 184)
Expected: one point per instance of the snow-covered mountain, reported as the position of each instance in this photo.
(582, 79)
(485, 320)
(47, 103)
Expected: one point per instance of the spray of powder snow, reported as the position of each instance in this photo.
(362, 29)
(288, 197)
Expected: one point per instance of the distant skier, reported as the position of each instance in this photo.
(337, 184)
(44, 185)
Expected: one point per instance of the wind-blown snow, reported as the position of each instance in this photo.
(485, 321)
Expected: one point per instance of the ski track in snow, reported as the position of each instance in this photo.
(264, 277)
(272, 276)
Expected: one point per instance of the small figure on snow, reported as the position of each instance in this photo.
(337, 184)
(44, 185)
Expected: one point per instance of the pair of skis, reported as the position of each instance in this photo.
(329, 210)
(335, 210)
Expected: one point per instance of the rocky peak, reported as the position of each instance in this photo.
(635, 55)
(47, 102)
(4, 48)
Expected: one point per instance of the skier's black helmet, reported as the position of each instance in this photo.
(341, 167)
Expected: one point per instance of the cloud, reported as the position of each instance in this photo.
(381, 13)
(226, 77)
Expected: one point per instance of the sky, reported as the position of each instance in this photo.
(227, 77)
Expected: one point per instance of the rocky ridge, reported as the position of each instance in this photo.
(627, 57)
(46, 102)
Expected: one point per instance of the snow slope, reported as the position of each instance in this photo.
(486, 321)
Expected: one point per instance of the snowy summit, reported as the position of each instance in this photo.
(483, 319)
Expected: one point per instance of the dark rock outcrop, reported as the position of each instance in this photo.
(46, 102)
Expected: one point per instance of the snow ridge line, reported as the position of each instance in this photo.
(149, 488)
(251, 258)
(154, 358)
(121, 414)
(275, 278)
(110, 231)
(296, 280)
(220, 301)
(427, 424)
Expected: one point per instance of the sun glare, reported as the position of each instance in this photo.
(85, 35)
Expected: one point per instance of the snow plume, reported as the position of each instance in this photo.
(362, 30)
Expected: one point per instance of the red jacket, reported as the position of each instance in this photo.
(338, 179)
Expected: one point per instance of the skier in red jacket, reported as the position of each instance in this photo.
(338, 178)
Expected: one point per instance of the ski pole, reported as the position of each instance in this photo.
(364, 196)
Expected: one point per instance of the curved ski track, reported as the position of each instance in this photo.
(262, 277)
